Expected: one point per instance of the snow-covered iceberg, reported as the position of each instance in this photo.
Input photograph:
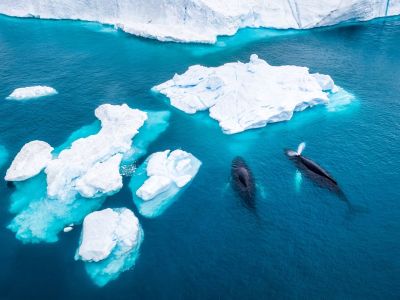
(157, 183)
(243, 96)
(31, 92)
(84, 171)
(110, 243)
(203, 20)
(30, 161)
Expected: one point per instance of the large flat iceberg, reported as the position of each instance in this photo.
(157, 183)
(30, 161)
(31, 92)
(203, 20)
(243, 96)
(82, 173)
(110, 243)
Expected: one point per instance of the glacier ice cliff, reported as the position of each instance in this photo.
(30, 161)
(82, 173)
(31, 92)
(157, 182)
(242, 96)
(110, 243)
(203, 20)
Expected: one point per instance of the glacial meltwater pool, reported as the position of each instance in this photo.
(300, 241)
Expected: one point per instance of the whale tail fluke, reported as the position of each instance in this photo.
(301, 148)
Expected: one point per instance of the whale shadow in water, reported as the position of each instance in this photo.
(242, 182)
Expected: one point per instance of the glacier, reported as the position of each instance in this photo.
(203, 20)
(157, 183)
(242, 96)
(82, 173)
(30, 161)
(31, 92)
(110, 243)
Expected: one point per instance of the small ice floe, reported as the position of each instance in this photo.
(30, 161)
(31, 92)
(68, 228)
(158, 181)
(110, 243)
(242, 96)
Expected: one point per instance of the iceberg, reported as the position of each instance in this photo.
(30, 161)
(242, 96)
(203, 20)
(158, 181)
(110, 243)
(31, 92)
(83, 172)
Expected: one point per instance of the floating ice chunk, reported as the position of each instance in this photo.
(30, 161)
(242, 96)
(68, 229)
(68, 173)
(156, 184)
(31, 92)
(202, 21)
(110, 243)
(84, 171)
(102, 179)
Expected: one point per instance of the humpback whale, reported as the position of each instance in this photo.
(307, 164)
(243, 181)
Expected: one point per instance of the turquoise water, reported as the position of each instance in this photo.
(301, 241)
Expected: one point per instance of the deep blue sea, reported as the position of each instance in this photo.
(301, 241)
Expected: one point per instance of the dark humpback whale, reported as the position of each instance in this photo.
(318, 175)
(243, 181)
(305, 163)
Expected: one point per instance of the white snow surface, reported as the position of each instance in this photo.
(242, 96)
(30, 161)
(167, 170)
(105, 230)
(203, 20)
(90, 166)
(31, 92)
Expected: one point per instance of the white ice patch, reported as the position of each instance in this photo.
(84, 171)
(110, 243)
(31, 92)
(30, 161)
(157, 182)
(202, 21)
(242, 96)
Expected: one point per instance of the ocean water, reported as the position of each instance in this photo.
(301, 241)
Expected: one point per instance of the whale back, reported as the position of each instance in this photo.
(243, 181)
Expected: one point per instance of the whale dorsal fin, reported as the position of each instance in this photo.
(301, 147)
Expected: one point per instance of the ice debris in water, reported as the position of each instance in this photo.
(158, 181)
(110, 243)
(83, 172)
(31, 92)
(242, 96)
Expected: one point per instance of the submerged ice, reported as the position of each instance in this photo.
(83, 172)
(243, 96)
(110, 243)
(31, 92)
(158, 181)
(203, 20)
